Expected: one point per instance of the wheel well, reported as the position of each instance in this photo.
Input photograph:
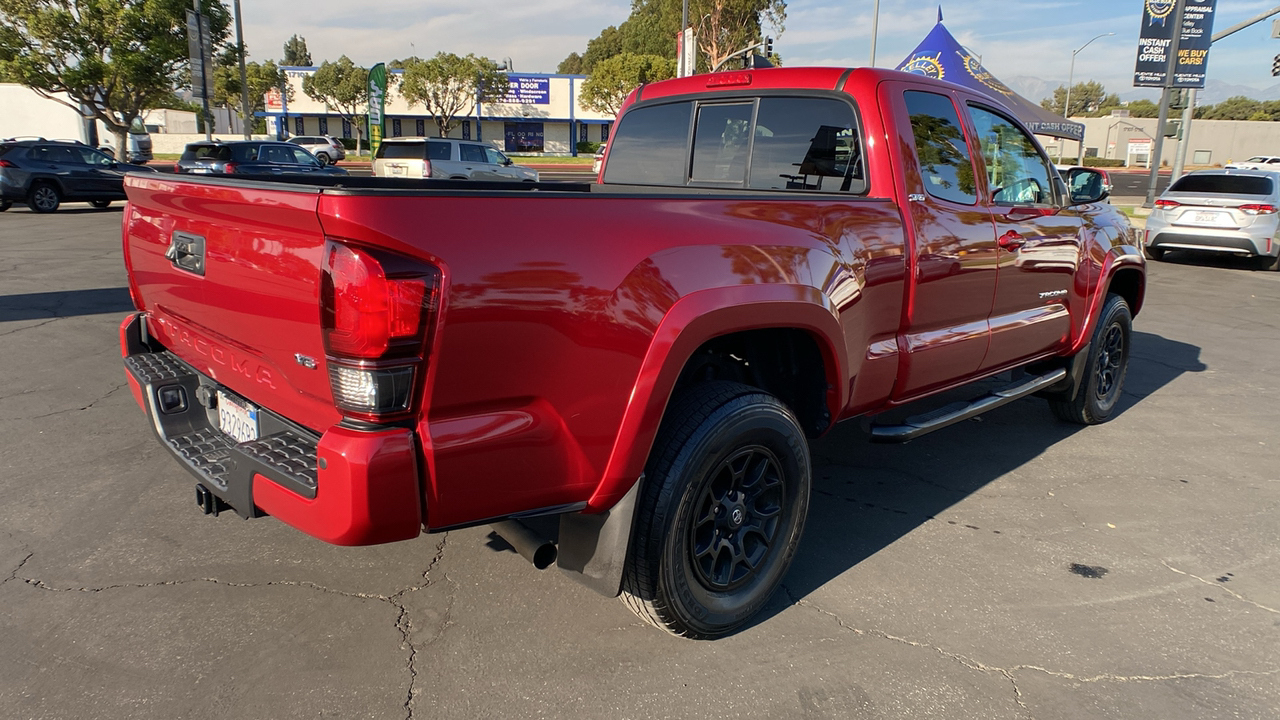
(1128, 284)
(784, 362)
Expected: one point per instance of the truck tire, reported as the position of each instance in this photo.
(5, 205)
(724, 501)
(44, 197)
(1104, 369)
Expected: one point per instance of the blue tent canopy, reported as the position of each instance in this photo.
(940, 56)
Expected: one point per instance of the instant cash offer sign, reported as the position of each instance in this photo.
(377, 104)
(1157, 37)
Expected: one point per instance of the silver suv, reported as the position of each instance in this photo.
(446, 159)
(326, 149)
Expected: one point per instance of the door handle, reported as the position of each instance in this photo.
(1011, 240)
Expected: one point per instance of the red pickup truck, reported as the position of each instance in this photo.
(767, 252)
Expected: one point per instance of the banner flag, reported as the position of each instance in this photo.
(377, 103)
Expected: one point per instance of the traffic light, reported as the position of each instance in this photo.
(1275, 67)
(1173, 129)
(1178, 98)
(768, 50)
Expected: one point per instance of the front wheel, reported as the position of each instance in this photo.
(44, 198)
(725, 496)
(1104, 369)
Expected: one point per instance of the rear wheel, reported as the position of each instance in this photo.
(1104, 369)
(100, 204)
(726, 492)
(1269, 262)
(5, 205)
(323, 158)
(1153, 253)
(44, 198)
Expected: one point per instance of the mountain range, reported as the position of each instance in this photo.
(1215, 91)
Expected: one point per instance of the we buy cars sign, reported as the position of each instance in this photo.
(1158, 17)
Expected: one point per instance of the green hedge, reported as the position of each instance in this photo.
(586, 147)
(1103, 162)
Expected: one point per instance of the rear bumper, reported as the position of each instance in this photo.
(346, 486)
(1223, 241)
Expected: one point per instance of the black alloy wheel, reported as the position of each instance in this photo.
(44, 198)
(721, 511)
(1105, 368)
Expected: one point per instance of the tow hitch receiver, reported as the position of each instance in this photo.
(209, 503)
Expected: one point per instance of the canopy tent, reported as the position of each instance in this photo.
(940, 56)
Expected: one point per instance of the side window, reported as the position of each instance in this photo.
(720, 143)
(649, 145)
(472, 153)
(64, 155)
(437, 150)
(493, 157)
(302, 157)
(945, 165)
(806, 144)
(1016, 172)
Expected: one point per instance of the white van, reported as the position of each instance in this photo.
(446, 159)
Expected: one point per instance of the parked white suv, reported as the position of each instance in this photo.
(326, 149)
(1257, 162)
(446, 159)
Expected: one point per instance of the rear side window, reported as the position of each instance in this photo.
(401, 150)
(1223, 184)
(438, 151)
(806, 144)
(943, 154)
(206, 152)
(649, 147)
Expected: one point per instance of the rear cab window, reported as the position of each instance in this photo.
(759, 143)
(945, 166)
(206, 152)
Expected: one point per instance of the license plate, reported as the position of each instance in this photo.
(396, 170)
(237, 418)
(1207, 218)
(202, 171)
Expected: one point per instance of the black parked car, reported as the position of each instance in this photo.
(251, 157)
(46, 173)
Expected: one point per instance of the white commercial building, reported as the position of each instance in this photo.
(542, 114)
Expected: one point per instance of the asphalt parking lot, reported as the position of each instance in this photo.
(1007, 567)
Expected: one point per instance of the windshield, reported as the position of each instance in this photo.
(137, 128)
(1223, 185)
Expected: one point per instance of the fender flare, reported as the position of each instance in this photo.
(593, 543)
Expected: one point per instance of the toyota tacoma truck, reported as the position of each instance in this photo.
(646, 357)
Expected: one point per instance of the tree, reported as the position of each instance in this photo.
(449, 86)
(1086, 97)
(343, 87)
(1143, 109)
(722, 28)
(296, 53)
(261, 76)
(112, 58)
(571, 65)
(1233, 108)
(614, 78)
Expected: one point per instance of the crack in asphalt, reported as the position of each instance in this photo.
(403, 623)
(108, 394)
(32, 327)
(1008, 673)
(1223, 588)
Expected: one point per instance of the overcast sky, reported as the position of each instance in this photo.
(1014, 37)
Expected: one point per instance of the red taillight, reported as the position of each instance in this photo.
(1258, 209)
(426, 168)
(229, 168)
(377, 310)
(1163, 204)
(6, 163)
(177, 167)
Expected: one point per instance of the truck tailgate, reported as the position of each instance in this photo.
(230, 275)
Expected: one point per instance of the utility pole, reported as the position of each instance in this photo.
(204, 95)
(1180, 160)
(245, 115)
(1171, 65)
(875, 25)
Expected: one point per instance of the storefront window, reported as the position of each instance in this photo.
(523, 137)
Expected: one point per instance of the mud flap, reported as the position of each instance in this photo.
(593, 548)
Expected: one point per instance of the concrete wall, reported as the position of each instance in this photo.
(1210, 142)
(173, 143)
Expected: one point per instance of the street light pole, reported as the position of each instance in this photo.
(1071, 77)
(875, 25)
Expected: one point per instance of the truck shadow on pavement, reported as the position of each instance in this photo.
(866, 496)
(65, 303)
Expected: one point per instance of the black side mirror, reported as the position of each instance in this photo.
(1086, 186)
(506, 162)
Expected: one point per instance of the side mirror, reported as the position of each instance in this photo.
(1086, 186)
(506, 162)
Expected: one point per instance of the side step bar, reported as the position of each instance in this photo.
(917, 425)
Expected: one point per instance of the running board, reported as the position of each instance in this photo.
(917, 425)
